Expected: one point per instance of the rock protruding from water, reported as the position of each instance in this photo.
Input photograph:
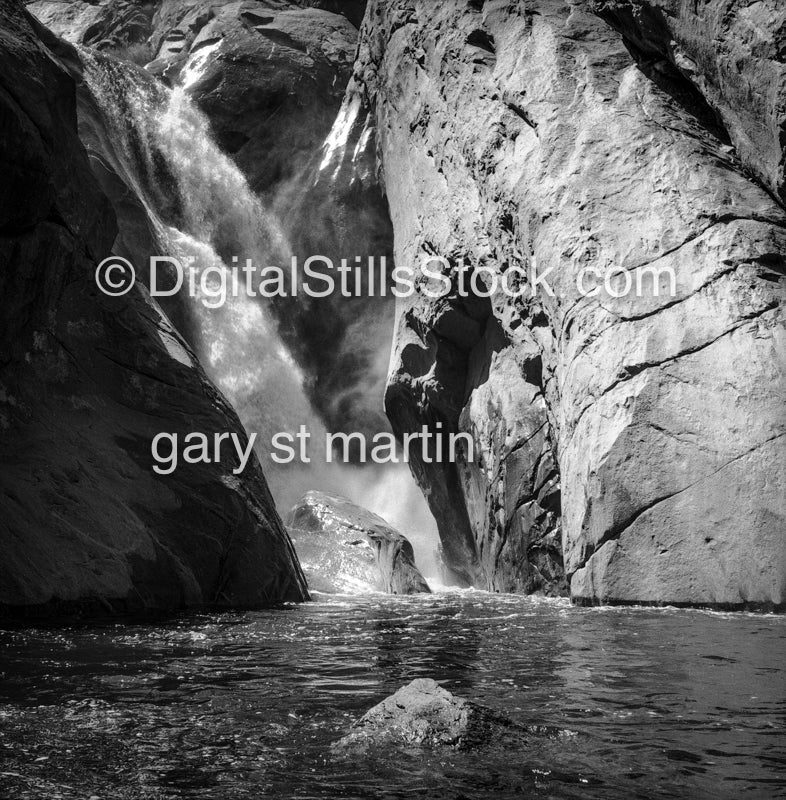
(345, 548)
(423, 713)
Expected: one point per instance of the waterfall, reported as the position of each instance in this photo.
(199, 205)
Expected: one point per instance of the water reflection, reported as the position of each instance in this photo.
(426, 644)
(620, 702)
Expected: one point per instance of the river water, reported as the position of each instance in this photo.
(632, 702)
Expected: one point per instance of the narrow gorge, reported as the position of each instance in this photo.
(499, 510)
(623, 454)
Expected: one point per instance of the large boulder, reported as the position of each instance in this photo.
(122, 27)
(86, 383)
(645, 431)
(346, 548)
(270, 78)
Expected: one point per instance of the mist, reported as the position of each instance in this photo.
(287, 362)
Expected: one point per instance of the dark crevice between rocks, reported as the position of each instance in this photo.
(657, 65)
(436, 389)
(522, 114)
(542, 539)
(483, 40)
(671, 81)
(632, 370)
(773, 276)
(771, 268)
(524, 553)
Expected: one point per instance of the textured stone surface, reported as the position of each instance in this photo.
(86, 382)
(512, 132)
(422, 713)
(269, 78)
(643, 434)
(345, 548)
(733, 52)
(121, 26)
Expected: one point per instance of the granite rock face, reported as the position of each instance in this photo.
(345, 548)
(733, 53)
(630, 448)
(87, 381)
(120, 26)
(647, 431)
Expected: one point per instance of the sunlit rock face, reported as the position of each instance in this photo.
(87, 381)
(733, 53)
(346, 549)
(646, 431)
(120, 26)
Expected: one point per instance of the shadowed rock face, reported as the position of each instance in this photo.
(647, 431)
(269, 78)
(344, 547)
(87, 381)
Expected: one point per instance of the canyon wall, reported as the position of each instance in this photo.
(734, 53)
(643, 432)
(87, 381)
(628, 447)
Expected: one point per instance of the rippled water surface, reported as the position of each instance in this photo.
(637, 702)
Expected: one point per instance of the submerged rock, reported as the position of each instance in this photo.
(346, 548)
(86, 383)
(423, 713)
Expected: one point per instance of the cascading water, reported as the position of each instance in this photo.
(200, 207)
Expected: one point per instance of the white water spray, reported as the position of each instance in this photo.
(200, 205)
